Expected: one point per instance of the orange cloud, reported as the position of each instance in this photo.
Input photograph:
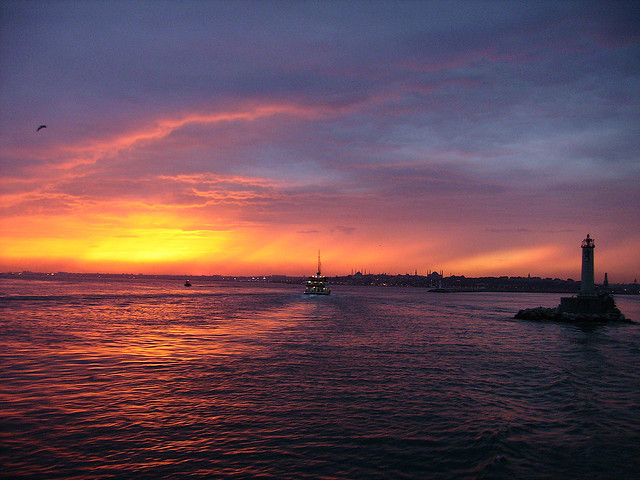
(506, 261)
(84, 154)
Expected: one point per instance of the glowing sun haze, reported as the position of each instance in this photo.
(480, 138)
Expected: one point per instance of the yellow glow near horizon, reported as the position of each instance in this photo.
(131, 246)
(156, 245)
(108, 240)
(144, 241)
(259, 251)
(125, 237)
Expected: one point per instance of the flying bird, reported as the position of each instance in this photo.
(40, 128)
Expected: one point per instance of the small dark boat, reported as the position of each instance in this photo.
(187, 283)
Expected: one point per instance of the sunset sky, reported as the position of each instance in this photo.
(478, 138)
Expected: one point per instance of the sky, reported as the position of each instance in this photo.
(474, 137)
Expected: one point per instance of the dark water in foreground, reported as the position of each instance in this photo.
(147, 379)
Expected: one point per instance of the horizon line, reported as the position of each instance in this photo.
(231, 276)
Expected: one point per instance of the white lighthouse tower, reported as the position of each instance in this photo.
(587, 286)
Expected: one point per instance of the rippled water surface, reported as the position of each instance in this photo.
(148, 379)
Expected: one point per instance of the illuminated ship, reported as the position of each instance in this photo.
(317, 285)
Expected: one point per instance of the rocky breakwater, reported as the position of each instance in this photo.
(592, 308)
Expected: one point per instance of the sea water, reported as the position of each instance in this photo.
(147, 379)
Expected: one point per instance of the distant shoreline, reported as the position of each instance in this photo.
(454, 283)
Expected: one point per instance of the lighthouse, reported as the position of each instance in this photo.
(587, 287)
(587, 306)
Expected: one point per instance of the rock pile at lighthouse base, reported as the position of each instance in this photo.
(600, 308)
(554, 314)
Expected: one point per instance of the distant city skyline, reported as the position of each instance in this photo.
(479, 138)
